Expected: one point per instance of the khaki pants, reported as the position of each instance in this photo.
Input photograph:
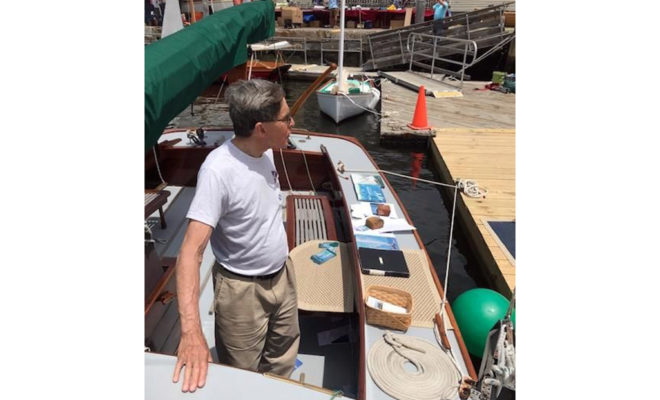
(256, 321)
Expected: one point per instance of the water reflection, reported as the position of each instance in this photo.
(416, 166)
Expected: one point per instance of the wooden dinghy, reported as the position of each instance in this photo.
(336, 336)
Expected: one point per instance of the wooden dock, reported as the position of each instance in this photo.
(487, 156)
(473, 109)
(472, 137)
(415, 80)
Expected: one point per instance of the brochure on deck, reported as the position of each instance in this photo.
(368, 187)
(383, 241)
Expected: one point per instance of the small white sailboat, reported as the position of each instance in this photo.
(343, 98)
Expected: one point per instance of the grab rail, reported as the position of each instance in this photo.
(440, 43)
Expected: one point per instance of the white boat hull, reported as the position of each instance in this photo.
(342, 106)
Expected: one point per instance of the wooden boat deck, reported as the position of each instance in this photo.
(325, 368)
(487, 156)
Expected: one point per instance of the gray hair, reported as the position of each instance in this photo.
(253, 101)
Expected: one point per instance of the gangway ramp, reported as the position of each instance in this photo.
(414, 81)
(485, 27)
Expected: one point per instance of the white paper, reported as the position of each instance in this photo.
(385, 306)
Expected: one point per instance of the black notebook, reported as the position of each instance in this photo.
(383, 262)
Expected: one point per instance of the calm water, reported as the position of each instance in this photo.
(422, 201)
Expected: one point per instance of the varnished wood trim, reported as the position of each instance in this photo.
(357, 273)
(330, 229)
(160, 286)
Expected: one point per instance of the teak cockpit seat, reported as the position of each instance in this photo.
(309, 218)
(155, 200)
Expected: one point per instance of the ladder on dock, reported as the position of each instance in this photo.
(484, 27)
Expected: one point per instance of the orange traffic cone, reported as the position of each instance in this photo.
(419, 119)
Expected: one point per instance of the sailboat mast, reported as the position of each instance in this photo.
(340, 69)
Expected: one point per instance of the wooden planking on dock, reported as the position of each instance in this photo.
(487, 156)
(474, 109)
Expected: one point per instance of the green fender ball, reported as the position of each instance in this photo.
(476, 312)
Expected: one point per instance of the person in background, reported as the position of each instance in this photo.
(439, 11)
(237, 208)
(148, 12)
(334, 13)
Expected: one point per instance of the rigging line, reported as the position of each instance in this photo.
(511, 304)
(399, 175)
(447, 351)
(158, 166)
(286, 173)
(364, 108)
(308, 175)
(451, 233)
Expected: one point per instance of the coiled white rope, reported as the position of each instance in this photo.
(470, 188)
(435, 376)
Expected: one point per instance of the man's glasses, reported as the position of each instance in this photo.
(287, 119)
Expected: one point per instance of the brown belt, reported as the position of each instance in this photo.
(259, 277)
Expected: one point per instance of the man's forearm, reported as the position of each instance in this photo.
(187, 287)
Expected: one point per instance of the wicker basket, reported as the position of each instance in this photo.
(394, 296)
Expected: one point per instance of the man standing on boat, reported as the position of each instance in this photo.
(237, 206)
(439, 11)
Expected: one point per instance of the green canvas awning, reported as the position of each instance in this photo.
(180, 66)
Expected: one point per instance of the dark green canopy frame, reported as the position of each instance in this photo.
(180, 66)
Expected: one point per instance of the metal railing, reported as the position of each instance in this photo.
(298, 44)
(350, 46)
(302, 44)
(445, 45)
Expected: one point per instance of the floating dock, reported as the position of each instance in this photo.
(488, 157)
(472, 136)
(474, 108)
